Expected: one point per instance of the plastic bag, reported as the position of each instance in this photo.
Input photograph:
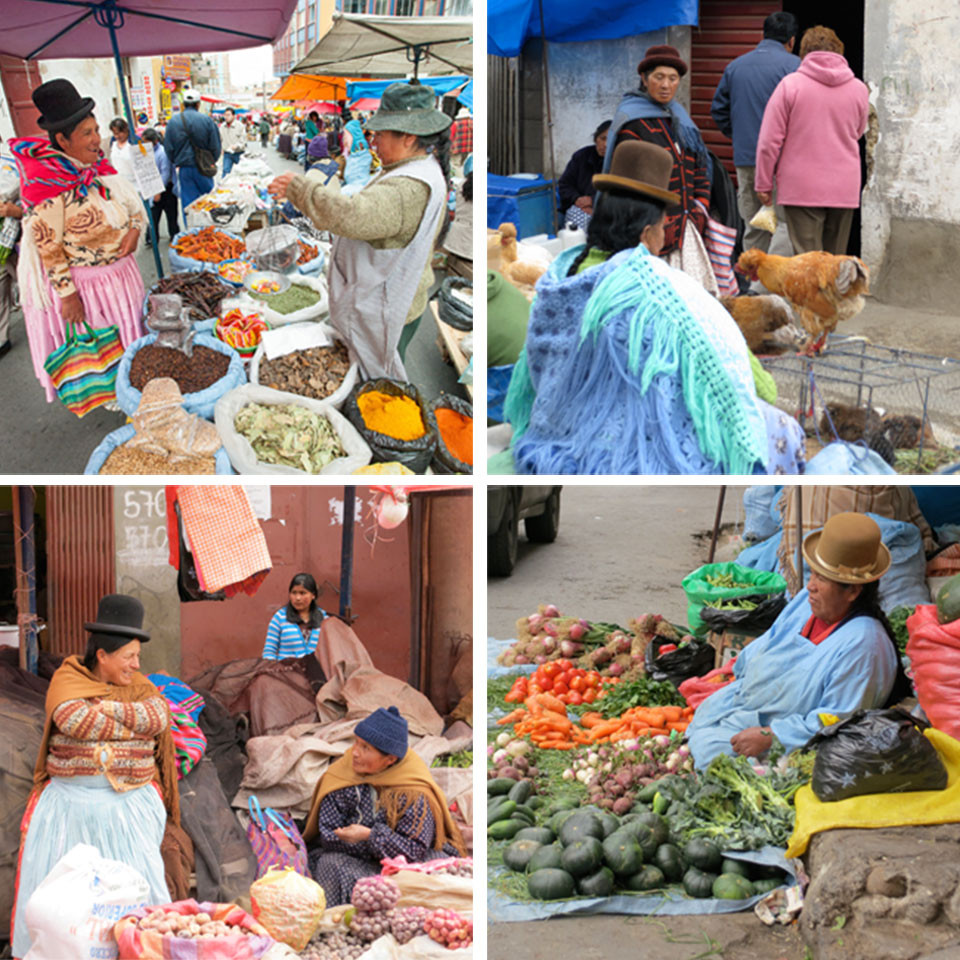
(434, 891)
(288, 905)
(136, 943)
(700, 592)
(444, 461)
(163, 427)
(453, 309)
(117, 438)
(693, 660)
(320, 309)
(755, 621)
(765, 219)
(241, 453)
(697, 689)
(301, 336)
(414, 454)
(934, 652)
(202, 402)
(71, 914)
(874, 751)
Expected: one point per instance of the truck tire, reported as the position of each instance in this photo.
(544, 529)
(502, 545)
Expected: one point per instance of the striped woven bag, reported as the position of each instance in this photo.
(720, 240)
(84, 368)
(275, 840)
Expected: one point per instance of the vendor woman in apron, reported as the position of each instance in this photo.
(380, 271)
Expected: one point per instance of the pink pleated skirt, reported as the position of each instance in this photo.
(111, 294)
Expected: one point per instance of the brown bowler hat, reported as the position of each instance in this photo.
(848, 549)
(662, 55)
(640, 167)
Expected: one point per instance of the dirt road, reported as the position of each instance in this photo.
(622, 552)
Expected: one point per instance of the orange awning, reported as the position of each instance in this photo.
(305, 86)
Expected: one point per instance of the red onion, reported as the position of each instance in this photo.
(549, 644)
(584, 623)
(551, 611)
(540, 658)
(577, 631)
(569, 649)
(550, 629)
(534, 623)
(521, 659)
(615, 669)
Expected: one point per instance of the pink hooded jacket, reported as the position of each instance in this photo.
(808, 138)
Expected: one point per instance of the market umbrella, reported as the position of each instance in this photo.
(311, 87)
(388, 46)
(365, 103)
(53, 29)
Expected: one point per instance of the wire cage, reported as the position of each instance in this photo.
(882, 380)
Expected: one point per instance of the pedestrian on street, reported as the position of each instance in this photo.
(121, 155)
(809, 144)
(264, 131)
(166, 202)
(82, 224)
(385, 233)
(233, 136)
(10, 215)
(189, 133)
(737, 109)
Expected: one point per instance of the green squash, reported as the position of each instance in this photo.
(582, 857)
(622, 853)
(649, 878)
(546, 857)
(734, 866)
(504, 829)
(500, 785)
(703, 855)
(500, 809)
(535, 803)
(558, 819)
(609, 823)
(579, 827)
(669, 859)
(518, 854)
(699, 884)
(540, 834)
(599, 884)
(550, 884)
(521, 791)
(647, 794)
(948, 601)
(731, 886)
(562, 803)
(643, 834)
(661, 831)
(770, 883)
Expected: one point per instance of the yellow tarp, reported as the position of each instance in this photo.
(304, 86)
(882, 809)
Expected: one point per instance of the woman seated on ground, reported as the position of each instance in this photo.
(295, 628)
(576, 187)
(106, 772)
(630, 367)
(831, 650)
(378, 800)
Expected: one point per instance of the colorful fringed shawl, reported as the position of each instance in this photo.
(46, 172)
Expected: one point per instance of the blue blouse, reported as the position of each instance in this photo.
(285, 638)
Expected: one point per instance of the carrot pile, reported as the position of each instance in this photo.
(209, 245)
(544, 719)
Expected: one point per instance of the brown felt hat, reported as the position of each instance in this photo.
(848, 549)
(640, 167)
(662, 55)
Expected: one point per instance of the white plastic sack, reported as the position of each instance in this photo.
(71, 914)
(241, 453)
(318, 310)
(303, 336)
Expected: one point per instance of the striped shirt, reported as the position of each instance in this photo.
(286, 637)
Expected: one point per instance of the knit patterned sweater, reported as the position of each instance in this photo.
(106, 737)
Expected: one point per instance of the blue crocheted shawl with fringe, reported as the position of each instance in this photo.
(631, 367)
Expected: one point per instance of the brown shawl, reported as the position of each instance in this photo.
(73, 681)
(397, 788)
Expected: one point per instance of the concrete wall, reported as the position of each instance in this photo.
(140, 526)
(587, 81)
(911, 204)
(95, 78)
(6, 120)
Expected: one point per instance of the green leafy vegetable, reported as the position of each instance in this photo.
(898, 620)
(462, 758)
(289, 435)
(643, 692)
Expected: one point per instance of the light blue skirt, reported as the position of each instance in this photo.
(123, 826)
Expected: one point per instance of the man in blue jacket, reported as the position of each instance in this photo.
(186, 126)
(742, 94)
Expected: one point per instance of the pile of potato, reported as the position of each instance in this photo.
(198, 926)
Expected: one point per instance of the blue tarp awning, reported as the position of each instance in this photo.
(466, 96)
(375, 88)
(510, 23)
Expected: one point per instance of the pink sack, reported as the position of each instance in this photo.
(137, 944)
(934, 652)
(696, 689)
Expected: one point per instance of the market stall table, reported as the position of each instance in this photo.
(451, 340)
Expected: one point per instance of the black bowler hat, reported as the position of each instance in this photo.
(119, 615)
(60, 104)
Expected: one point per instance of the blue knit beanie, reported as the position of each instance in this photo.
(386, 730)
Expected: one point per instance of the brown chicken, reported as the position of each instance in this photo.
(823, 288)
(502, 246)
(765, 322)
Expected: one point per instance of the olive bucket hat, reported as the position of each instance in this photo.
(409, 108)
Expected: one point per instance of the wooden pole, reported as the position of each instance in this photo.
(716, 524)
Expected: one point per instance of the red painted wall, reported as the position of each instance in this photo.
(304, 534)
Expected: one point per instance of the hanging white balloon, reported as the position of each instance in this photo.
(392, 509)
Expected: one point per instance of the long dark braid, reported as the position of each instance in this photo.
(619, 218)
(869, 603)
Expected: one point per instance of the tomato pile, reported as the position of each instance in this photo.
(569, 684)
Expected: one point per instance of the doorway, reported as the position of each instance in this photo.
(846, 20)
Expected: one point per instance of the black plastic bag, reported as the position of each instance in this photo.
(451, 308)
(693, 660)
(755, 621)
(443, 460)
(417, 454)
(875, 751)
